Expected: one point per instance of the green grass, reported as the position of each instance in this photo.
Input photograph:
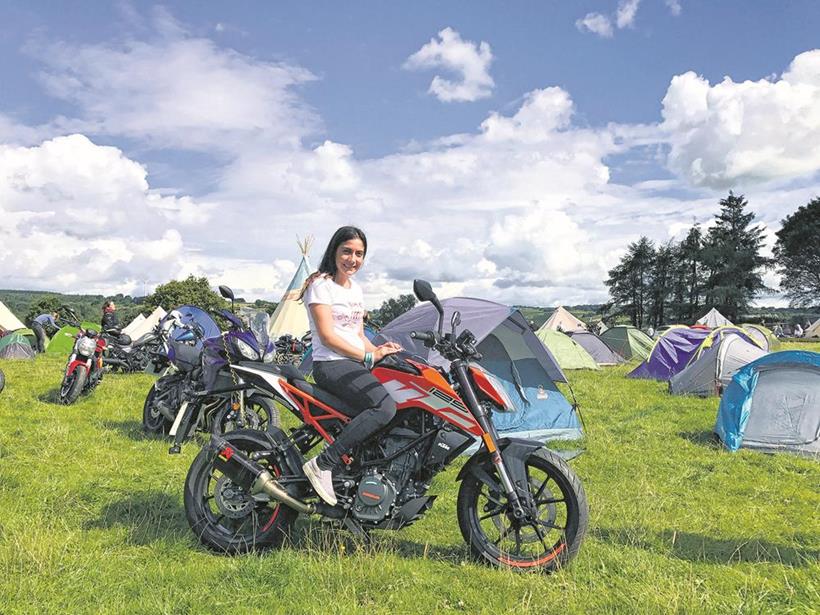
(91, 520)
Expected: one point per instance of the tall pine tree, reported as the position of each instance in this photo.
(732, 258)
(629, 282)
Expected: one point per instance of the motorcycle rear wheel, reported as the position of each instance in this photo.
(73, 385)
(227, 519)
(546, 543)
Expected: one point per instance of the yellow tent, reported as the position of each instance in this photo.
(291, 315)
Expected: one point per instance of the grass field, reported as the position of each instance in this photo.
(91, 521)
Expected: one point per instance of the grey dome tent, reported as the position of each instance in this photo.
(511, 352)
(711, 373)
(773, 404)
(597, 348)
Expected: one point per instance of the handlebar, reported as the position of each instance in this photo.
(463, 347)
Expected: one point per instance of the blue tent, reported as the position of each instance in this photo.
(512, 352)
(773, 404)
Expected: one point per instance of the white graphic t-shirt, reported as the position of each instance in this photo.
(347, 309)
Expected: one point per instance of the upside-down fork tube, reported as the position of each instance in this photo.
(181, 424)
(250, 475)
(490, 436)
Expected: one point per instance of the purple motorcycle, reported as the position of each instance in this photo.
(201, 392)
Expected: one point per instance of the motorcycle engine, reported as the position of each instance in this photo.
(374, 498)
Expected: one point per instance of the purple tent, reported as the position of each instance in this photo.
(677, 347)
(671, 353)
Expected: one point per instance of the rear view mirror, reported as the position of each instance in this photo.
(226, 292)
(423, 290)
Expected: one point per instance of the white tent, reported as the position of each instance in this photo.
(714, 319)
(147, 324)
(8, 321)
(291, 314)
(133, 324)
(562, 320)
(814, 330)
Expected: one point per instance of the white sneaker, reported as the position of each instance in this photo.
(322, 481)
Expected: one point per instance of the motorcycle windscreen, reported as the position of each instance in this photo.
(258, 323)
(194, 315)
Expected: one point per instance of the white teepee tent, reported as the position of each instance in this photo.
(714, 319)
(8, 321)
(562, 320)
(291, 315)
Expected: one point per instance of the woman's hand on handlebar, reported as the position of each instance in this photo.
(385, 349)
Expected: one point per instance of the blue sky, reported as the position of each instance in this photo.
(509, 152)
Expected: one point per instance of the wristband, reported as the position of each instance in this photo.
(368, 360)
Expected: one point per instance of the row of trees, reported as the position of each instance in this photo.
(722, 268)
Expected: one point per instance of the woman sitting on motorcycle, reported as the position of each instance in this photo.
(342, 355)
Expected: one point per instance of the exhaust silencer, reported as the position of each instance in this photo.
(249, 475)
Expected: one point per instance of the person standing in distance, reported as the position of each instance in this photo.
(342, 355)
(39, 324)
(110, 321)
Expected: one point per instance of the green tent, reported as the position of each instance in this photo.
(63, 340)
(629, 342)
(569, 353)
(15, 346)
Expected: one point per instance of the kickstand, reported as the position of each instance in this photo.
(355, 528)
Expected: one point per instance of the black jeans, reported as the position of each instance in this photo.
(40, 334)
(353, 382)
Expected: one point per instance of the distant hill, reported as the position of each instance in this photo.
(88, 307)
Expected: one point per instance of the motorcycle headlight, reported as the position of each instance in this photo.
(247, 351)
(269, 356)
(86, 346)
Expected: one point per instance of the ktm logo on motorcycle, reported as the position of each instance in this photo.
(226, 453)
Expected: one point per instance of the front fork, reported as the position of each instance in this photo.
(490, 437)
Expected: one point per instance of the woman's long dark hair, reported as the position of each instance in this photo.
(327, 267)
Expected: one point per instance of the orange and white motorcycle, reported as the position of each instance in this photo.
(519, 504)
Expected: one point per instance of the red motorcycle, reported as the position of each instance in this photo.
(519, 504)
(84, 369)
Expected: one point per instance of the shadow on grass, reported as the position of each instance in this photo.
(701, 438)
(698, 548)
(51, 396)
(148, 516)
(310, 535)
(132, 430)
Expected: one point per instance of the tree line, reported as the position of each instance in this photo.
(720, 267)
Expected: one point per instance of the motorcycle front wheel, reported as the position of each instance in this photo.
(73, 385)
(226, 518)
(153, 421)
(260, 413)
(548, 539)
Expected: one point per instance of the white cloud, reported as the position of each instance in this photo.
(177, 91)
(625, 16)
(745, 132)
(674, 7)
(469, 61)
(596, 23)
